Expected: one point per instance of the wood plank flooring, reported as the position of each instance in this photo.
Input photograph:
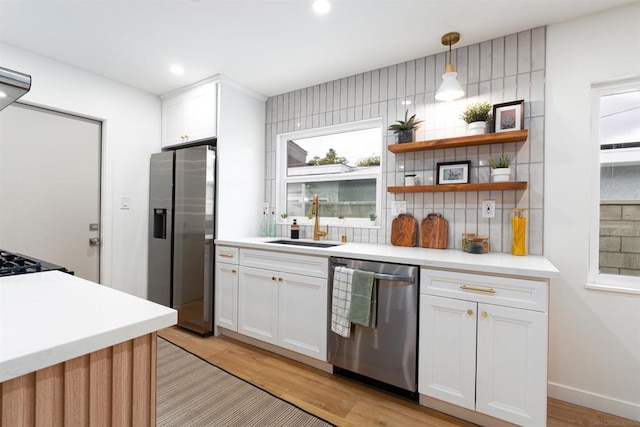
(340, 400)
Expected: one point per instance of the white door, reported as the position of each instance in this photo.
(258, 304)
(447, 349)
(302, 316)
(512, 354)
(50, 187)
(227, 296)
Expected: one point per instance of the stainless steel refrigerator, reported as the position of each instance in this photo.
(181, 233)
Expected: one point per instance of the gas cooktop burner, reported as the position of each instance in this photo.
(12, 264)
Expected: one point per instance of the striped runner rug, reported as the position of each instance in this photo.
(193, 392)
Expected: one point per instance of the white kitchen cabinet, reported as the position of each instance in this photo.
(483, 344)
(278, 305)
(189, 115)
(226, 285)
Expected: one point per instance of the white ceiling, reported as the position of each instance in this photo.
(270, 46)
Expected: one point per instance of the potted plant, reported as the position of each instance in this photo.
(500, 170)
(372, 217)
(341, 218)
(405, 128)
(476, 116)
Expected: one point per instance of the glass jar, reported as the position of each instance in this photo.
(519, 231)
(465, 241)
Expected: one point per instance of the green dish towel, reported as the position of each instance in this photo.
(363, 299)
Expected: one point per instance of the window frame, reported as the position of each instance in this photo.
(282, 179)
(596, 280)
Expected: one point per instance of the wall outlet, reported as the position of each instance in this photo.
(125, 202)
(488, 209)
(398, 207)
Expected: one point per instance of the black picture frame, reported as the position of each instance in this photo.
(508, 116)
(453, 172)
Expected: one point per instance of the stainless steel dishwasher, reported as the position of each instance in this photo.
(386, 355)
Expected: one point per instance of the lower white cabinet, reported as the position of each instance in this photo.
(282, 307)
(477, 352)
(226, 288)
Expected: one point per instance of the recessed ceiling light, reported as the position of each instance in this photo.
(321, 6)
(2, 94)
(176, 69)
(406, 102)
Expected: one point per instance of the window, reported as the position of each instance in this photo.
(615, 225)
(341, 164)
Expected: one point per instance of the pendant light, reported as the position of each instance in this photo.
(450, 88)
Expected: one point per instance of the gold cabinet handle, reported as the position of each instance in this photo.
(225, 255)
(469, 312)
(279, 279)
(476, 288)
(233, 271)
(273, 278)
(483, 314)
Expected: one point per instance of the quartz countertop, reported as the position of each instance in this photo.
(533, 266)
(49, 317)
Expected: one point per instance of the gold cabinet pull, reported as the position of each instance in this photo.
(273, 278)
(475, 288)
(469, 312)
(233, 271)
(484, 314)
(279, 279)
(225, 255)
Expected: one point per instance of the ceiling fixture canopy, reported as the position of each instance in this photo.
(450, 88)
(321, 6)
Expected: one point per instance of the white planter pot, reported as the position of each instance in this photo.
(500, 174)
(476, 128)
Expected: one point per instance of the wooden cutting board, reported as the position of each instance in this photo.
(434, 230)
(404, 230)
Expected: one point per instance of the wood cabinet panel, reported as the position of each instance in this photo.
(94, 389)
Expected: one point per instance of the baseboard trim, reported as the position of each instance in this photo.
(595, 401)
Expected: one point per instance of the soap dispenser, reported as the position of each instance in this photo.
(295, 230)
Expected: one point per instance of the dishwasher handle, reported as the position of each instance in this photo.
(387, 277)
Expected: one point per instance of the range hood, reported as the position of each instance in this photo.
(12, 86)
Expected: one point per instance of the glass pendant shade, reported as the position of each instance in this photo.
(450, 88)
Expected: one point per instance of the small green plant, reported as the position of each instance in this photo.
(503, 162)
(369, 161)
(407, 124)
(310, 215)
(284, 215)
(372, 217)
(478, 112)
(340, 216)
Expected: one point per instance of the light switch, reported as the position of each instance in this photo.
(125, 202)
(398, 207)
(488, 208)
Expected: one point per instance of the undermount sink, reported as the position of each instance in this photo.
(304, 243)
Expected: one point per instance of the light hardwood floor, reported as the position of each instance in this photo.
(340, 400)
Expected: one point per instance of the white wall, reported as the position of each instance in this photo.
(594, 348)
(131, 132)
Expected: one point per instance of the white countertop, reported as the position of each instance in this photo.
(49, 317)
(494, 263)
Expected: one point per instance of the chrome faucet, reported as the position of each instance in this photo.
(315, 210)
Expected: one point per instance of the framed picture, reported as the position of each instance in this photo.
(509, 116)
(453, 172)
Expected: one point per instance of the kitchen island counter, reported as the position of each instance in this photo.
(49, 317)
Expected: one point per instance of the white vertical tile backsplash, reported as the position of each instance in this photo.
(500, 70)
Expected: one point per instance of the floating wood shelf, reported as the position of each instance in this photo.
(480, 186)
(460, 141)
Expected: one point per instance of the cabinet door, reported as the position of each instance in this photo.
(227, 296)
(447, 350)
(200, 119)
(302, 325)
(512, 355)
(173, 120)
(258, 303)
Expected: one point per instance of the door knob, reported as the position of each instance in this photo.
(94, 241)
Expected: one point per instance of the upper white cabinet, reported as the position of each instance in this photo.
(483, 344)
(190, 115)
